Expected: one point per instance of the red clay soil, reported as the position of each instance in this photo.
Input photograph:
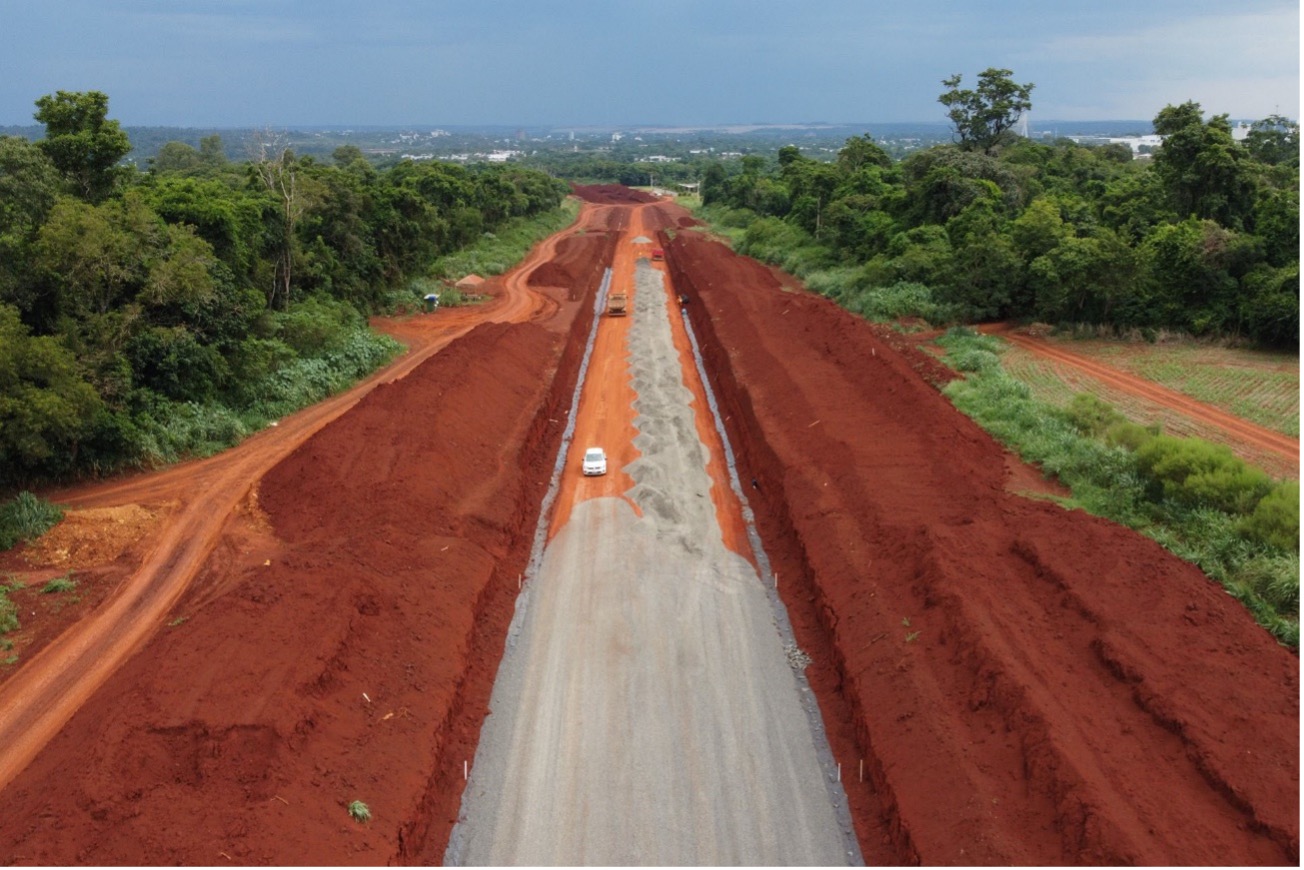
(342, 639)
(1026, 685)
(1023, 684)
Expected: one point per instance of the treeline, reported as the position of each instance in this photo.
(1202, 238)
(148, 315)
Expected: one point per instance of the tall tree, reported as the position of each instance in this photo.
(29, 184)
(982, 116)
(211, 151)
(46, 408)
(862, 151)
(1274, 140)
(1206, 172)
(81, 142)
(276, 168)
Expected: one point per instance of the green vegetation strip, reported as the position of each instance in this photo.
(25, 517)
(502, 249)
(1192, 497)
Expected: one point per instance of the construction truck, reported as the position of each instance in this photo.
(658, 255)
(617, 305)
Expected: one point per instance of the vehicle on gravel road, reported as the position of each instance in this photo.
(617, 305)
(595, 462)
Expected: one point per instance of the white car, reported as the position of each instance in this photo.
(595, 462)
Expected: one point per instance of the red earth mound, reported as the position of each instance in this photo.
(572, 264)
(1025, 684)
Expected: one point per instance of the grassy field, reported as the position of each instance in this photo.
(1258, 386)
(1263, 388)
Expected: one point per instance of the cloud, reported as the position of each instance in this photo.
(1238, 62)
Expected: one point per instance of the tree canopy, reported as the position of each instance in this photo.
(145, 315)
(81, 141)
(982, 116)
(1202, 238)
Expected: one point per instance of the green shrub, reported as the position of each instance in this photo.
(1274, 578)
(25, 517)
(8, 612)
(1091, 416)
(360, 811)
(59, 584)
(1196, 472)
(838, 284)
(1275, 519)
(967, 351)
(902, 299)
(317, 324)
(1128, 435)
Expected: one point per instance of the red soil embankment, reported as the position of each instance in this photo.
(340, 646)
(1027, 685)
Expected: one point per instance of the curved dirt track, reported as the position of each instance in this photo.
(1237, 428)
(1022, 684)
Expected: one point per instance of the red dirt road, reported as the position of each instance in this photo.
(1243, 431)
(320, 617)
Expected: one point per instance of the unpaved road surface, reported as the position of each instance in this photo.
(1240, 431)
(646, 713)
(1018, 683)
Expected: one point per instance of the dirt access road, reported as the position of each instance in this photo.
(1240, 431)
(1018, 683)
(646, 712)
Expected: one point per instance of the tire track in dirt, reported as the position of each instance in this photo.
(1243, 430)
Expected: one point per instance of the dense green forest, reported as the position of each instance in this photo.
(150, 315)
(1201, 238)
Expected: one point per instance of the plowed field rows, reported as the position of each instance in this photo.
(1260, 388)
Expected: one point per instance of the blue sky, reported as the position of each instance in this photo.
(674, 62)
